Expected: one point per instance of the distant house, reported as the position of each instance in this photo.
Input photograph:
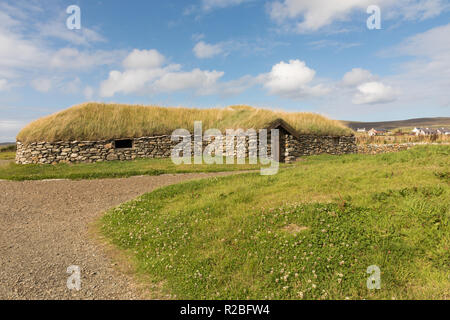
(361, 130)
(443, 131)
(377, 132)
(425, 131)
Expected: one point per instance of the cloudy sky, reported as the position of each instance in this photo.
(295, 55)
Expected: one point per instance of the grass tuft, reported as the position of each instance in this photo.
(7, 155)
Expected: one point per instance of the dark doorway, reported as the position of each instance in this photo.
(123, 144)
(285, 132)
(282, 144)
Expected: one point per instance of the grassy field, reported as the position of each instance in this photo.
(309, 232)
(8, 152)
(109, 169)
(7, 155)
(96, 121)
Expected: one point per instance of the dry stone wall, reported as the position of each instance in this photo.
(307, 145)
(92, 151)
(383, 148)
(161, 147)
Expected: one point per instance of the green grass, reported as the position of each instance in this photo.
(97, 121)
(8, 152)
(230, 238)
(108, 169)
(6, 155)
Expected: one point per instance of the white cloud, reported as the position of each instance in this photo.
(17, 52)
(237, 86)
(72, 86)
(287, 77)
(316, 14)
(374, 93)
(431, 43)
(198, 36)
(206, 6)
(202, 81)
(203, 50)
(292, 80)
(421, 81)
(73, 59)
(88, 92)
(127, 82)
(219, 4)
(338, 45)
(244, 47)
(143, 59)
(425, 78)
(362, 87)
(42, 84)
(312, 15)
(57, 29)
(143, 75)
(9, 129)
(3, 84)
(29, 16)
(356, 77)
(131, 81)
(28, 56)
(420, 9)
(6, 21)
(60, 83)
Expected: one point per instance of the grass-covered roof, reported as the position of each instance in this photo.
(99, 121)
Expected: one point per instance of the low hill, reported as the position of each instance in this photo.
(98, 121)
(418, 122)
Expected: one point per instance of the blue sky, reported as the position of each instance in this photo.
(295, 55)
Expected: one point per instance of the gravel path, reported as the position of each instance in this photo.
(46, 226)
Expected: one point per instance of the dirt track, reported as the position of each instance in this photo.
(45, 228)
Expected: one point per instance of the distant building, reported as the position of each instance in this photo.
(361, 130)
(425, 131)
(377, 132)
(444, 131)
